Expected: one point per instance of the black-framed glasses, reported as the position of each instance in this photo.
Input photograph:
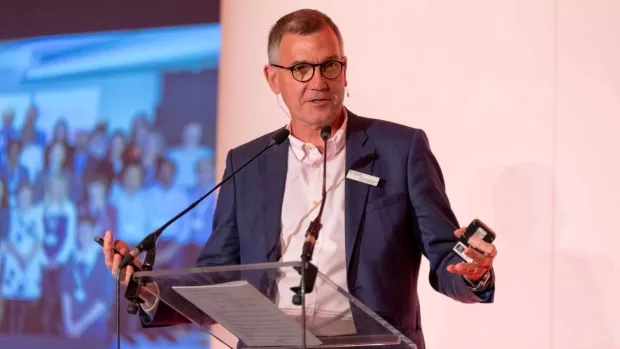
(303, 72)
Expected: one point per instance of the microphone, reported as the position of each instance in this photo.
(148, 243)
(312, 234)
(308, 271)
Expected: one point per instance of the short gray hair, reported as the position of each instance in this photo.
(301, 22)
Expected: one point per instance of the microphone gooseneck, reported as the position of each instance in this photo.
(312, 234)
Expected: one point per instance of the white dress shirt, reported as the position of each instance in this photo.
(301, 204)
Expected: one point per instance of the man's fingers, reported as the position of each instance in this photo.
(459, 232)
(121, 247)
(480, 259)
(115, 264)
(487, 248)
(465, 269)
(128, 273)
(107, 249)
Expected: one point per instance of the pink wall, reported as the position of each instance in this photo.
(537, 84)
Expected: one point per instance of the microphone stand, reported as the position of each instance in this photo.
(132, 292)
(309, 271)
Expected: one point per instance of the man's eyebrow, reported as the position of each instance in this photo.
(298, 62)
(329, 58)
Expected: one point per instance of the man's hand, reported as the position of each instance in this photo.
(482, 261)
(113, 260)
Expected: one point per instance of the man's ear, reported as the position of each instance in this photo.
(346, 65)
(272, 79)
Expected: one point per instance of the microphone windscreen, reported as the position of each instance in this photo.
(326, 132)
(280, 136)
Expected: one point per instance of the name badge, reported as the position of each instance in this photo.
(362, 177)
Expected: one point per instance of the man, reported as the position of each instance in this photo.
(374, 236)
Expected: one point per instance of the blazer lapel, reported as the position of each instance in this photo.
(273, 167)
(360, 157)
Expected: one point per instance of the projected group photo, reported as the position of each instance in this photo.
(110, 131)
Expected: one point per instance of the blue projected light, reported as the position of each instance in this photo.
(95, 129)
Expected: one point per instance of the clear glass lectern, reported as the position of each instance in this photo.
(255, 304)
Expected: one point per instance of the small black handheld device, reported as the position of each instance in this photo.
(478, 229)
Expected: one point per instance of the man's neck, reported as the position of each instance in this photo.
(312, 133)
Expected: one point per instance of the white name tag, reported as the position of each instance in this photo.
(362, 177)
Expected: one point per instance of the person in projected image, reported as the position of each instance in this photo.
(80, 152)
(89, 160)
(57, 163)
(97, 161)
(85, 294)
(30, 122)
(154, 146)
(4, 233)
(373, 236)
(164, 201)
(97, 204)
(12, 171)
(7, 130)
(32, 152)
(116, 151)
(60, 221)
(4, 215)
(140, 129)
(60, 133)
(201, 217)
(130, 201)
(22, 265)
(190, 151)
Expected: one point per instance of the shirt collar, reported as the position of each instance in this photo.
(308, 153)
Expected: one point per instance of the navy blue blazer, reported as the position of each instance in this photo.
(387, 228)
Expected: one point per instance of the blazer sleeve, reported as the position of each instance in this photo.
(436, 222)
(222, 248)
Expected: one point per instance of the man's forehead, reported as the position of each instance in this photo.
(319, 46)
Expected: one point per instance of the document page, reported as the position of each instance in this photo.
(247, 314)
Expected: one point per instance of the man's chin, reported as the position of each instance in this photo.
(321, 117)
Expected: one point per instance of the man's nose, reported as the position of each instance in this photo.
(317, 82)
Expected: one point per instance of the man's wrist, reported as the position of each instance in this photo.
(482, 284)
